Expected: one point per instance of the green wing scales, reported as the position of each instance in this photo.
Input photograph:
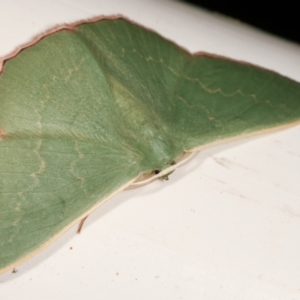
(85, 111)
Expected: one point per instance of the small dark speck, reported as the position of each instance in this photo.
(71, 248)
(156, 277)
(117, 273)
(14, 270)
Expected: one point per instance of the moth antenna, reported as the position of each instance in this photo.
(145, 179)
(185, 158)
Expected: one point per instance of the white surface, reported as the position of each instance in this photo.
(225, 226)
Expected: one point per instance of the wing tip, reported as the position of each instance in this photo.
(61, 232)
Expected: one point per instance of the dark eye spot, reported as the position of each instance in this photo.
(156, 171)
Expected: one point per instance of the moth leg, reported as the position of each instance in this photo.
(81, 224)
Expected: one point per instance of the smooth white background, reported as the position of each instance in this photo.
(225, 226)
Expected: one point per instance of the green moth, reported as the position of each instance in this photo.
(94, 107)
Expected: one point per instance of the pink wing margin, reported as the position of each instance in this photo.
(52, 30)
